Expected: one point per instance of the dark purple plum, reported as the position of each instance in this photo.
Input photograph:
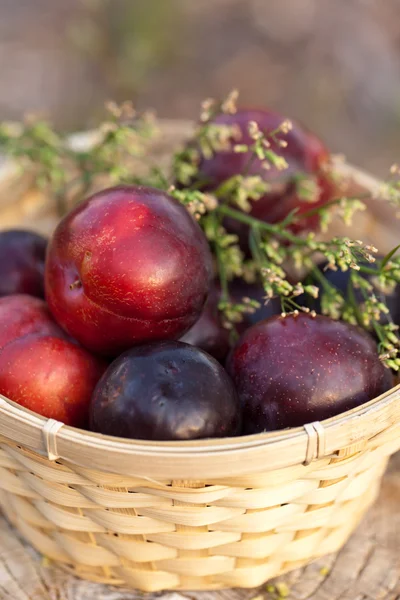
(22, 258)
(293, 370)
(166, 391)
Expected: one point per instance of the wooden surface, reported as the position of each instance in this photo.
(367, 568)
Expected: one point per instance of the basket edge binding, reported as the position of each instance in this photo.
(206, 458)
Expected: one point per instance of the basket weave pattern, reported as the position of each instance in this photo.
(227, 532)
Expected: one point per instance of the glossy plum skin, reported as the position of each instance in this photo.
(165, 391)
(50, 376)
(22, 315)
(40, 367)
(128, 265)
(294, 370)
(341, 280)
(22, 262)
(304, 153)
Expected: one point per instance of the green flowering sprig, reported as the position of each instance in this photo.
(261, 146)
(370, 312)
(196, 202)
(37, 145)
(241, 190)
(62, 169)
(208, 138)
(269, 254)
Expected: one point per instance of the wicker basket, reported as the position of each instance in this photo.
(192, 515)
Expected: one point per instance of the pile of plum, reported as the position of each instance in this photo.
(113, 324)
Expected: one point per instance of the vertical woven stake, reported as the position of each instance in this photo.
(50, 430)
(316, 441)
(187, 580)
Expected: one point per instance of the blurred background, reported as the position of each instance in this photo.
(333, 65)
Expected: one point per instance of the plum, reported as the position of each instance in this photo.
(128, 265)
(165, 391)
(304, 153)
(50, 376)
(22, 256)
(293, 370)
(22, 315)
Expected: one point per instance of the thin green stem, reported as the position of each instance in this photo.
(315, 211)
(322, 279)
(377, 271)
(297, 216)
(368, 270)
(291, 303)
(352, 299)
(378, 330)
(248, 165)
(255, 244)
(221, 266)
(253, 222)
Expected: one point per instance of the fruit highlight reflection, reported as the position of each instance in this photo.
(126, 266)
(299, 369)
(166, 391)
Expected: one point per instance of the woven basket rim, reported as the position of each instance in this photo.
(182, 459)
